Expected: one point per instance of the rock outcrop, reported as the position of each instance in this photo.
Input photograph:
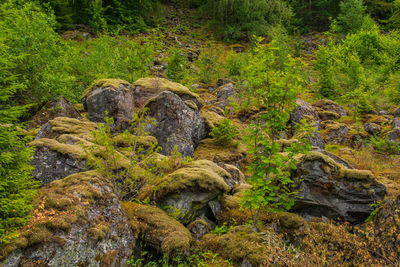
(331, 190)
(112, 98)
(223, 94)
(372, 128)
(79, 222)
(176, 124)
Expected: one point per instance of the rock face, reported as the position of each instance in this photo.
(176, 124)
(302, 111)
(80, 223)
(396, 123)
(66, 126)
(199, 228)
(53, 109)
(192, 191)
(394, 135)
(51, 165)
(111, 96)
(331, 190)
(58, 152)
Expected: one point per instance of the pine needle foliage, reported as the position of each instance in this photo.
(17, 187)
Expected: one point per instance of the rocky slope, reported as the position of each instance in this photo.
(81, 221)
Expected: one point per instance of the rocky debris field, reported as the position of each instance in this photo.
(81, 218)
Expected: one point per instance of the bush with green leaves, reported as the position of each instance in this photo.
(113, 57)
(207, 63)
(130, 15)
(385, 146)
(17, 187)
(240, 19)
(224, 132)
(47, 66)
(28, 33)
(351, 16)
(363, 63)
(176, 68)
(131, 168)
(274, 90)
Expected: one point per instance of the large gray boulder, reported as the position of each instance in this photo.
(329, 189)
(112, 97)
(176, 124)
(79, 222)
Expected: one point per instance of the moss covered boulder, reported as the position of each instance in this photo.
(112, 96)
(191, 191)
(329, 189)
(176, 124)
(78, 221)
(158, 230)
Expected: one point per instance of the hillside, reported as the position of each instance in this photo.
(161, 134)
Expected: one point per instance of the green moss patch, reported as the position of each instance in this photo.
(212, 118)
(105, 83)
(75, 151)
(63, 125)
(159, 230)
(210, 150)
(242, 243)
(157, 85)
